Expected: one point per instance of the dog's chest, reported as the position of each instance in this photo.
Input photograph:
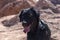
(40, 35)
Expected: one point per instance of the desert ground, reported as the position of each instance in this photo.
(15, 32)
(11, 28)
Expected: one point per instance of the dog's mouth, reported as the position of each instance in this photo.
(27, 28)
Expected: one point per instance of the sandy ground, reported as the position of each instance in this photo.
(11, 33)
(15, 32)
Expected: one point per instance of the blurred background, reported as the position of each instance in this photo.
(11, 28)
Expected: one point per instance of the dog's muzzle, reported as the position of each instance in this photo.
(26, 26)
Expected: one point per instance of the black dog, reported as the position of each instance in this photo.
(35, 28)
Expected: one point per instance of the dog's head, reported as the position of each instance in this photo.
(27, 16)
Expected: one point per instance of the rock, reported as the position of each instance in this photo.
(13, 8)
(4, 2)
(10, 22)
(45, 4)
(55, 2)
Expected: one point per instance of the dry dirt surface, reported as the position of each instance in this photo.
(11, 28)
(15, 31)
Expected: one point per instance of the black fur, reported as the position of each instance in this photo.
(39, 29)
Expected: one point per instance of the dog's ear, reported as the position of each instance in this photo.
(35, 11)
(20, 15)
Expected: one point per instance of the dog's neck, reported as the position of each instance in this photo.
(34, 26)
(37, 25)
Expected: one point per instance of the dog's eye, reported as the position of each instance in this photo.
(30, 15)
